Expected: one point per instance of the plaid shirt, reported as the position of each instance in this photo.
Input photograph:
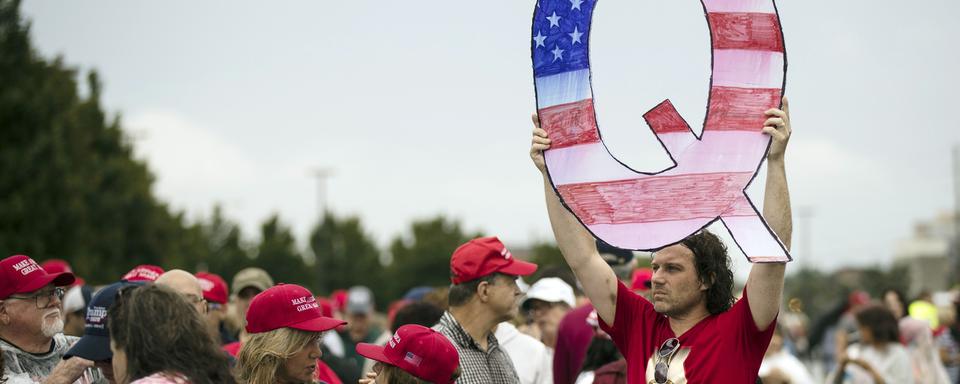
(477, 366)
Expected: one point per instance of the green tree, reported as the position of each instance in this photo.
(546, 253)
(817, 290)
(69, 185)
(277, 254)
(345, 256)
(227, 252)
(422, 257)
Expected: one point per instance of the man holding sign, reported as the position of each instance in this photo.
(691, 331)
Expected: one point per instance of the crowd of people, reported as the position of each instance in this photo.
(606, 322)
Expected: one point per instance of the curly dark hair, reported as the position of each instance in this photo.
(880, 321)
(713, 269)
(161, 332)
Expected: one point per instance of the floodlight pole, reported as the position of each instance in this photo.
(322, 174)
(954, 252)
(805, 214)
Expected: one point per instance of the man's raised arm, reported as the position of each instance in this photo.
(765, 284)
(577, 245)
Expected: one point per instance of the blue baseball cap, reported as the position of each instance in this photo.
(95, 343)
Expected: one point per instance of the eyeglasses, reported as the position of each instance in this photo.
(664, 355)
(193, 299)
(43, 298)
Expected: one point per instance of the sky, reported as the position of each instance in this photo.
(423, 108)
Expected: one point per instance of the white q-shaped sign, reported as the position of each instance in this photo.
(708, 180)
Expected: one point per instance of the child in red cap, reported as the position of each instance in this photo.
(415, 354)
(286, 327)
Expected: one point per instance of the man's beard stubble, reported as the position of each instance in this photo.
(51, 326)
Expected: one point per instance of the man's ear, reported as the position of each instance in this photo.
(705, 284)
(483, 291)
(4, 316)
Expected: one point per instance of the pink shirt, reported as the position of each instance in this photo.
(726, 347)
(162, 378)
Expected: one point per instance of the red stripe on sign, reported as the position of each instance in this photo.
(658, 198)
(664, 118)
(741, 207)
(570, 124)
(753, 31)
(740, 109)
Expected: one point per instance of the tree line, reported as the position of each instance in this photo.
(70, 188)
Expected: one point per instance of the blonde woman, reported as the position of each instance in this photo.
(286, 327)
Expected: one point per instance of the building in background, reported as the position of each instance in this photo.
(929, 256)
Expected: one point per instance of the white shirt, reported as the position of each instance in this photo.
(334, 343)
(789, 365)
(585, 377)
(532, 359)
(893, 364)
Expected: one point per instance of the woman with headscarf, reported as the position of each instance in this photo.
(917, 337)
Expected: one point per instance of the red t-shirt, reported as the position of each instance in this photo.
(723, 348)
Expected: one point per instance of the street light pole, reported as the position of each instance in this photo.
(805, 214)
(322, 174)
(954, 253)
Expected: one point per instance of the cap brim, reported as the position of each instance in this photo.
(319, 324)
(61, 279)
(249, 284)
(373, 352)
(90, 347)
(519, 268)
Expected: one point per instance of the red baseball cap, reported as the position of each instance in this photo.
(58, 266)
(145, 272)
(214, 287)
(20, 274)
(483, 256)
(326, 306)
(642, 279)
(418, 350)
(339, 298)
(395, 307)
(287, 306)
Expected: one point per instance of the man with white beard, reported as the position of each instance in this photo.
(31, 324)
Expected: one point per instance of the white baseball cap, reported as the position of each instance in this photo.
(77, 298)
(551, 290)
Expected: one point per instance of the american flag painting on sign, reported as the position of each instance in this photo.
(649, 210)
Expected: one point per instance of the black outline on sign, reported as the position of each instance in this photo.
(783, 92)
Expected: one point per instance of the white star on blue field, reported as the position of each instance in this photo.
(561, 30)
